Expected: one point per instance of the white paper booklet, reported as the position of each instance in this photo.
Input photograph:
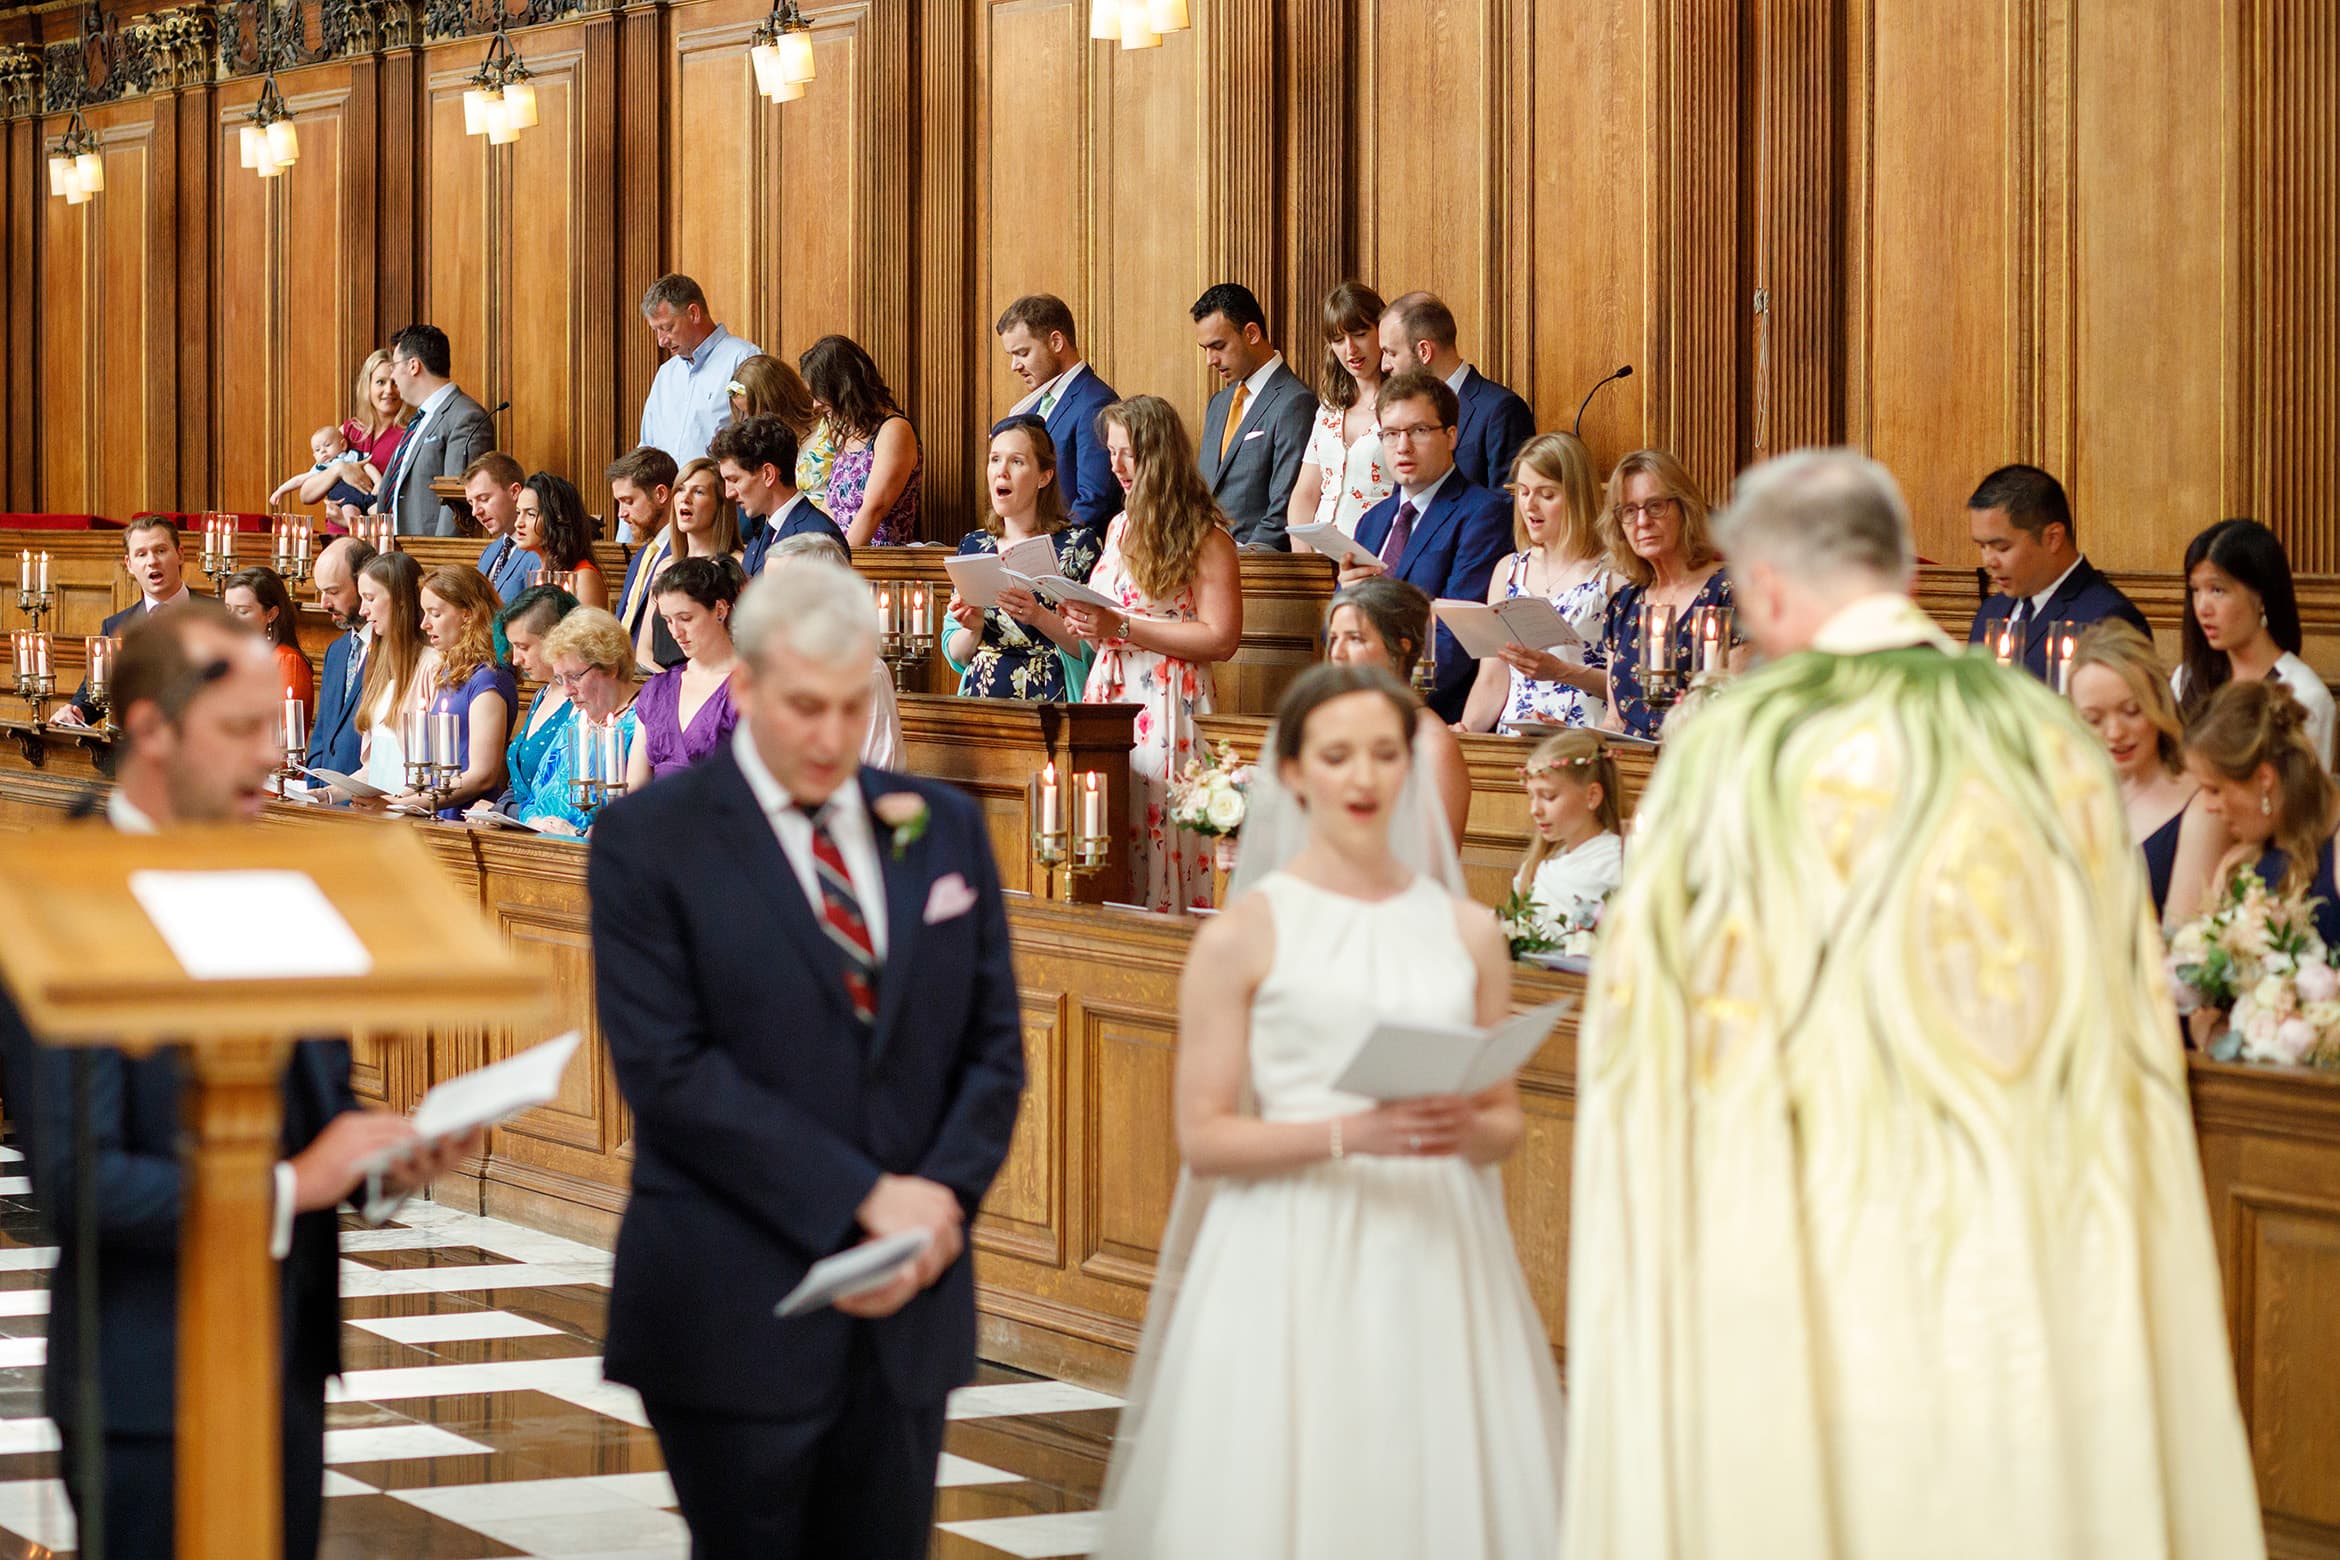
(250, 925)
(1408, 1061)
(1530, 622)
(497, 820)
(349, 783)
(1034, 558)
(1326, 537)
(481, 1098)
(855, 1271)
(978, 577)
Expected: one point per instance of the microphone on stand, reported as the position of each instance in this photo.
(502, 407)
(1623, 373)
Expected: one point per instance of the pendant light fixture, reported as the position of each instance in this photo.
(77, 168)
(782, 53)
(501, 100)
(1136, 24)
(268, 142)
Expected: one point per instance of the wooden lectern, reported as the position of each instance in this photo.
(87, 967)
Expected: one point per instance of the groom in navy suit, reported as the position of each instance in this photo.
(1439, 530)
(804, 977)
(1036, 331)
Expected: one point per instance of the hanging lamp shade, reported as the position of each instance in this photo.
(1136, 31)
(90, 169)
(520, 103)
(1166, 16)
(60, 174)
(765, 57)
(284, 143)
(796, 57)
(788, 92)
(1105, 19)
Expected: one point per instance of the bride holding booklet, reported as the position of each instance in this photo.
(1342, 1357)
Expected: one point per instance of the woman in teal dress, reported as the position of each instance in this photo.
(590, 657)
(522, 627)
(1018, 649)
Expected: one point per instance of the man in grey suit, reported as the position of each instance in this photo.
(448, 431)
(1257, 428)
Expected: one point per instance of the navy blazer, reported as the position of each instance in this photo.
(761, 1117)
(1083, 470)
(507, 568)
(1492, 425)
(137, 1120)
(806, 516)
(2085, 597)
(1451, 554)
(335, 743)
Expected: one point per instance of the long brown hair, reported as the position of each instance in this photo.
(771, 388)
(1171, 513)
(1698, 547)
(1561, 459)
(725, 531)
(840, 372)
(1050, 517)
(2247, 724)
(465, 589)
(1573, 757)
(276, 603)
(1348, 307)
(397, 653)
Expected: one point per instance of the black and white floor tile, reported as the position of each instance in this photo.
(474, 1421)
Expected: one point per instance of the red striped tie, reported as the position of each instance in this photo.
(842, 919)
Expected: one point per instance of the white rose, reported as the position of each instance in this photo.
(1225, 811)
(2318, 982)
(2294, 1038)
(2272, 993)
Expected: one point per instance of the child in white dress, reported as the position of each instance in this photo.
(1576, 855)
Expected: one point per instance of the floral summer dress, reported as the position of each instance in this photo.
(849, 480)
(1173, 865)
(1015, 662)
(1586, 606)
(1622, 642)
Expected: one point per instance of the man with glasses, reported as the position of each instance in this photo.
(198, 700)
(1439, 531)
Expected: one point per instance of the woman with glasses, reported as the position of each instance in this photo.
(592, 661)
(524, 624)
(1563, 556)
(1658, 528)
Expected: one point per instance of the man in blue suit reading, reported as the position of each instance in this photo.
(1439, 530)
(1036, 331)
(804, 974)
(1417, 331)
(335, 742)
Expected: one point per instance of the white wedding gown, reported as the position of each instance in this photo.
(1352, 1366)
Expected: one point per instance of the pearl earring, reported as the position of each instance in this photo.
(2266, 805)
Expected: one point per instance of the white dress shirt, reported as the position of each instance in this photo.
(1253, 384)
(882, 748)
(1454, 381)
(690, 396)
(152, 605)
(1055, 387)
(849, 825)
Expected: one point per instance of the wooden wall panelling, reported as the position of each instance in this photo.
(2291, 57)
(720, 230)
(539, 293)
(1584, 188)
(948, 327)
(1036, 130)
(606, 423)
(402, 152)
(1429, 122)
(318, 342)
(1160, 210)
(247, 306)
(153, 459)
(643, 197)
(192, 341)
(462, 238)
(1234, 48)
(1698, 316)
(1795, 383)
(27, 191)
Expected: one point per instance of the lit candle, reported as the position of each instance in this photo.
(1709, 640)
(886, 609)
(613, 761)
(1657, 637)
(44, 590)
(918, 614)
(101, 661)
(40, 655)
(2064, 647)
(1051, 804)
(1092, 805)
(296, 737)
(445, 739)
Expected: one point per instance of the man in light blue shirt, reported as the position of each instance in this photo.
(690, 399)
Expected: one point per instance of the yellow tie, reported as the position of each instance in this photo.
(1234, 417)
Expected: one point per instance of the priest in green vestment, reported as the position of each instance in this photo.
(1888, 1234)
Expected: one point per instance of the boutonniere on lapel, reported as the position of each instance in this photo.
(905, 813)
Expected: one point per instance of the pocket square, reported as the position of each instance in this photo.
(1256, 433)
(949, 897)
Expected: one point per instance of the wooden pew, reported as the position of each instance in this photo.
(991, 748)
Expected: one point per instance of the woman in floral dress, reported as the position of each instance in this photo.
(1563, 557)
(1017, 649)
(1171, 564)
(1341, 472)
(1666, 555)
(874, 481)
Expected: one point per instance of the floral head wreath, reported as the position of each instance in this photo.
(1581, 761)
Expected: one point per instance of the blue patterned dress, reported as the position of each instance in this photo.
(1012, 661)
(1621, 639)
(548, 789)
(1586, 607)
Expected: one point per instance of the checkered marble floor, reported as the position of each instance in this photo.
(474, 1422)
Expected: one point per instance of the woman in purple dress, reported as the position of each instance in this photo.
(873, 487)
(685, 712)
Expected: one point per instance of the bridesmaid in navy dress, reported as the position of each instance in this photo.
(685, 712)
(2121, 691)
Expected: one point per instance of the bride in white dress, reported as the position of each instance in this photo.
(1350, 1364)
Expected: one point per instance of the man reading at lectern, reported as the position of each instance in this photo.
(197, 699)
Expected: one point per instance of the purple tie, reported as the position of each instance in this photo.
(1400, 531)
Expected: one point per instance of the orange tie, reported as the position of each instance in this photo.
(1234, 417)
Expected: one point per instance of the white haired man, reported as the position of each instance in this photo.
(1888, 1231)
(804, 974)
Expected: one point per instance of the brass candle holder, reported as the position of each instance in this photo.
(1070, 833)
(1661, 666)
(597, 765)
(36, 678)
(292, 543)
(906, 630)
(33, 596)
(219, 549)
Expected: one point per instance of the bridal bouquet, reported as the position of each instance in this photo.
(1533, 929)
(1211, 795)
(2256, 957)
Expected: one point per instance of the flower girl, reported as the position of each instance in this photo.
(1575, 856)
(1343, 1361)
